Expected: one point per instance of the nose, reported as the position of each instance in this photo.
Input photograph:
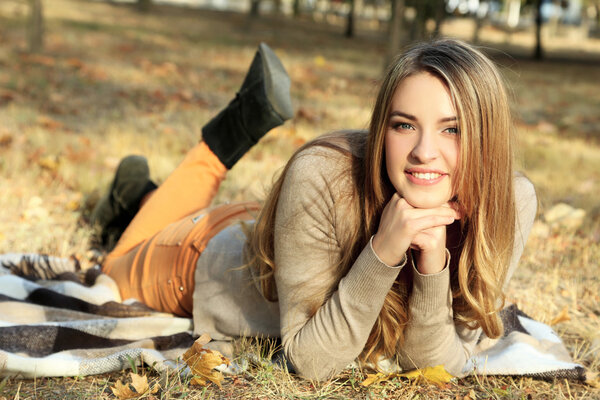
(426, 148)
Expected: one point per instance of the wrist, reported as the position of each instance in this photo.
(399, 264)
(429, 264)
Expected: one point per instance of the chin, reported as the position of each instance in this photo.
(426, 201)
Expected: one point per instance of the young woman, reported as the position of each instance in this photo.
(394, 243)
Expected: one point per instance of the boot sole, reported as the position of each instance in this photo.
(277, 83)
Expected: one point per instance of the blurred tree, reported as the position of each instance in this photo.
(36, 26)
(296, 8)
(395, 31)
(254, 8)
(144, 5)
(350, 19)
(482, 16)
(538, 53)
(425, 10)
(439, 13)
(417, 29)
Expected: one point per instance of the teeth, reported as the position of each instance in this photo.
(427, 176)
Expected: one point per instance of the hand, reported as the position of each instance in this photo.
(423, 229)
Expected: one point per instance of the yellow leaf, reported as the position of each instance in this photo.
(561, 317)
(140, 386)
(375, 378)
(73, 205)
(203, 361)
(122, 391)
(436, 375)
(320, 61)
(49, 163)
(592, 379)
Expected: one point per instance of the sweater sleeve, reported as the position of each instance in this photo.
(321, 342)
(431, 337)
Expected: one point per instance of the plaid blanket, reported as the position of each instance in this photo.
(528, 347)
(52, 323)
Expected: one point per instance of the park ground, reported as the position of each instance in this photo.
(113, 82)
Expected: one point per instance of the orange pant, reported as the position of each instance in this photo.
(155, 259)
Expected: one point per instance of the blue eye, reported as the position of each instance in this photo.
(453, 130)
(402, 126)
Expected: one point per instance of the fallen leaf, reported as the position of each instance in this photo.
(75, 63)
(137, 388)
(6, 140)
(561, 317)
(36, 155)
(126, 48)
(165, 69)
(123, 391)
(184, 95)
(308, 115)
(299, 142)
(39, 59)
(376, 378)
(320, 61)
(592, 379)
(203, 361)
(436, 375)
(49, 163)
(7, 96)
(73, 205)
(49, 123)
(471, 395)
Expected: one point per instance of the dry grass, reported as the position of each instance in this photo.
(113, 82)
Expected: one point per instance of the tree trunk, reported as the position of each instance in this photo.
(350, 21)
(144, 5)
(254, 8)
(296, 8)
(395, 31)
(538, 54)
(417, 31)
(36, 26)
(439, 15)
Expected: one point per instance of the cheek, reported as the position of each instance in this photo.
(395, 154)
(453, 161)
(452, 155)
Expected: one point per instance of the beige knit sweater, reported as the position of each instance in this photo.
(311, 219)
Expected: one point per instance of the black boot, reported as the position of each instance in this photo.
(262, 103)
(117, 208)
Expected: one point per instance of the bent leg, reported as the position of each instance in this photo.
(144, 260)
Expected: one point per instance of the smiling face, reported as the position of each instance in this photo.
(422, 141)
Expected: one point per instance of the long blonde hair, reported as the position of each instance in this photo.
(484, 188)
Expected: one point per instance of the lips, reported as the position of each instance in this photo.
(424, 177)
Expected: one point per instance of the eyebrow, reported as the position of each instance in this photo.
(413, 118)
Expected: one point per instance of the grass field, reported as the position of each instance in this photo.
(113, 82)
